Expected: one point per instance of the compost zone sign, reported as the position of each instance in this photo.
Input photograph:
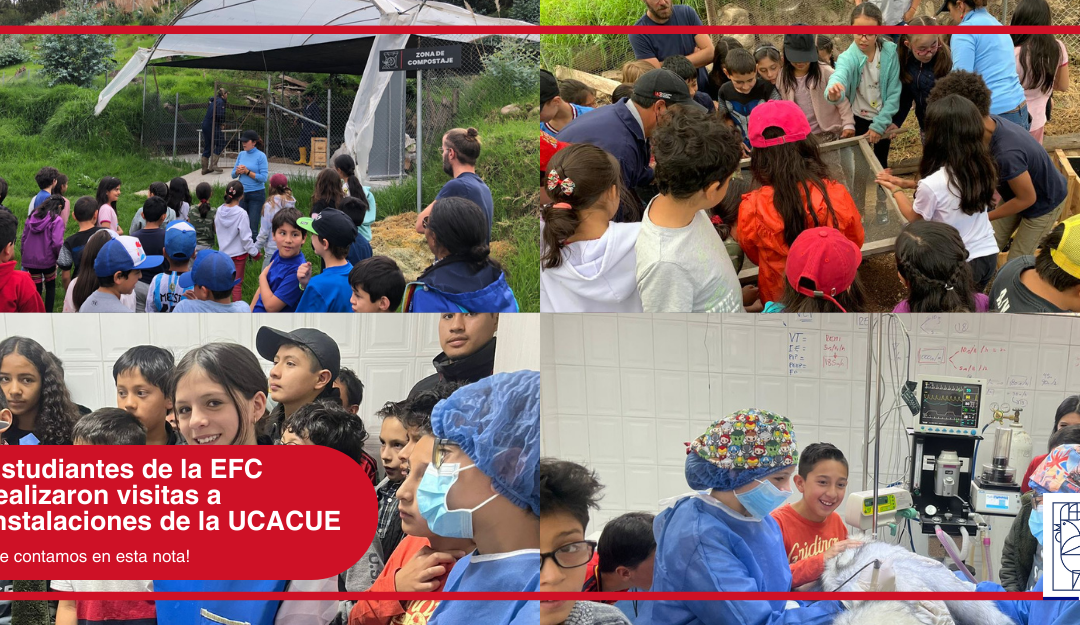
(446, 57)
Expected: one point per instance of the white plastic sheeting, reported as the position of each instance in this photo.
(308, 13)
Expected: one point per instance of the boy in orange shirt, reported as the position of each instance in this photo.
(813, 531)
(422, 561)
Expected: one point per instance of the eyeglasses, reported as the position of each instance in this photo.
(865, 36)
(441, 450)
(572, 555)
(424, 223)
(929, 50)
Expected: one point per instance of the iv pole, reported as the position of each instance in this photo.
(875, 323)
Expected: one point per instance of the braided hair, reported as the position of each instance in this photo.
(932, 259)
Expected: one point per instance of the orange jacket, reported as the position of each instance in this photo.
(761, 231)
(367, 612)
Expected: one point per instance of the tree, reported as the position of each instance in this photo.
(76, 59)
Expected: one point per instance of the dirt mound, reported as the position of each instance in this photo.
(397, 238)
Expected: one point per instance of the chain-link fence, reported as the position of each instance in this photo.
(288, 114)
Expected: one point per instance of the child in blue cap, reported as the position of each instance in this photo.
(118, 267)
(1059, 473)
(165, 291)
(722, 538)
(212, 278)
(481, 484)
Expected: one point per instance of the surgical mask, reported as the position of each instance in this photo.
(431, 501)
(1035, 524)
(762, 500)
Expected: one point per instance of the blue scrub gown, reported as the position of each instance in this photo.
(704, 546)
(252, 612)
(518, 571)
(1046, 612)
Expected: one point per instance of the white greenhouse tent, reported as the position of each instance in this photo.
(316, 53)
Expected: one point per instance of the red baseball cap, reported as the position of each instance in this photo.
(825, 257)
(782, 114)
(279, 180)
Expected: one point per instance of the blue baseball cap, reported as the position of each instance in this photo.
(123, 253)
(179, 240)
(213, 270)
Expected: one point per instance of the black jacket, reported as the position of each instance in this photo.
(476, 366)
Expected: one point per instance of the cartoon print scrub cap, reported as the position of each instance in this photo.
(740, 448)
(1059, 473)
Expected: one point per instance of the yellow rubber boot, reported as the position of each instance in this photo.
(303, 157)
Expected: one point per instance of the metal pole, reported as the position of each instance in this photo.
(329, 105)
(175, 123)
(419, 141)
(266, 135)
(869, 368)
(143, 106)
(877, 419)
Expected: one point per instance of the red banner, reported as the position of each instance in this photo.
(182, 512)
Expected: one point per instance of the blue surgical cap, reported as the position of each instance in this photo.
(496, 422)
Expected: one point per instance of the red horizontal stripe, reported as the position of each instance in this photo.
(527, 596)
(529, 30)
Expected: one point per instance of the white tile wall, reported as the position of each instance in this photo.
(622, 394)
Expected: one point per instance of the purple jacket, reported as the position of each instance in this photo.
(42, 238)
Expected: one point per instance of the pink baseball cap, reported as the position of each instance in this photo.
(278, 180)
(782, 114)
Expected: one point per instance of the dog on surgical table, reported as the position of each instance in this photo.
(904, 571)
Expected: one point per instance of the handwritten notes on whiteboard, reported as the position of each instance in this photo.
(836, 351)
(798, 352)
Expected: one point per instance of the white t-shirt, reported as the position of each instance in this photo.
(935, 200)
(867, 103)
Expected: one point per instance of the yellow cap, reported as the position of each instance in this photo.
(1067, 254)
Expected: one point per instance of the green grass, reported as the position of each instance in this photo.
(55, 126)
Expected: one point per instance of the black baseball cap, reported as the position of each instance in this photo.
(269, 340)
(549, 87)
(663, 84)
(800, 48)
(332, 225)
(249, 135)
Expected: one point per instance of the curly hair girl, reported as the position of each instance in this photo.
(34, 386)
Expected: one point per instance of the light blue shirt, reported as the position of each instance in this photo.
(256, 162)
(369, 217)
(210, 306)
(991, 56)
(517, 571)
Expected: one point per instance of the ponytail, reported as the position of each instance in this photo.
(578, 178)
(203, 191)
(461, 227)
(345, 163)
(234, 191)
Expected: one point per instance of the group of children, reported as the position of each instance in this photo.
(185, 256)
(458, 506)
(985, 184)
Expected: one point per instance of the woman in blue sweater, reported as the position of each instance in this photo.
(990, 56)
(252, 169)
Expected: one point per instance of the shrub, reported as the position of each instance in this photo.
(76, 59)
(526, 11)
(514, 67)
(12, 52)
